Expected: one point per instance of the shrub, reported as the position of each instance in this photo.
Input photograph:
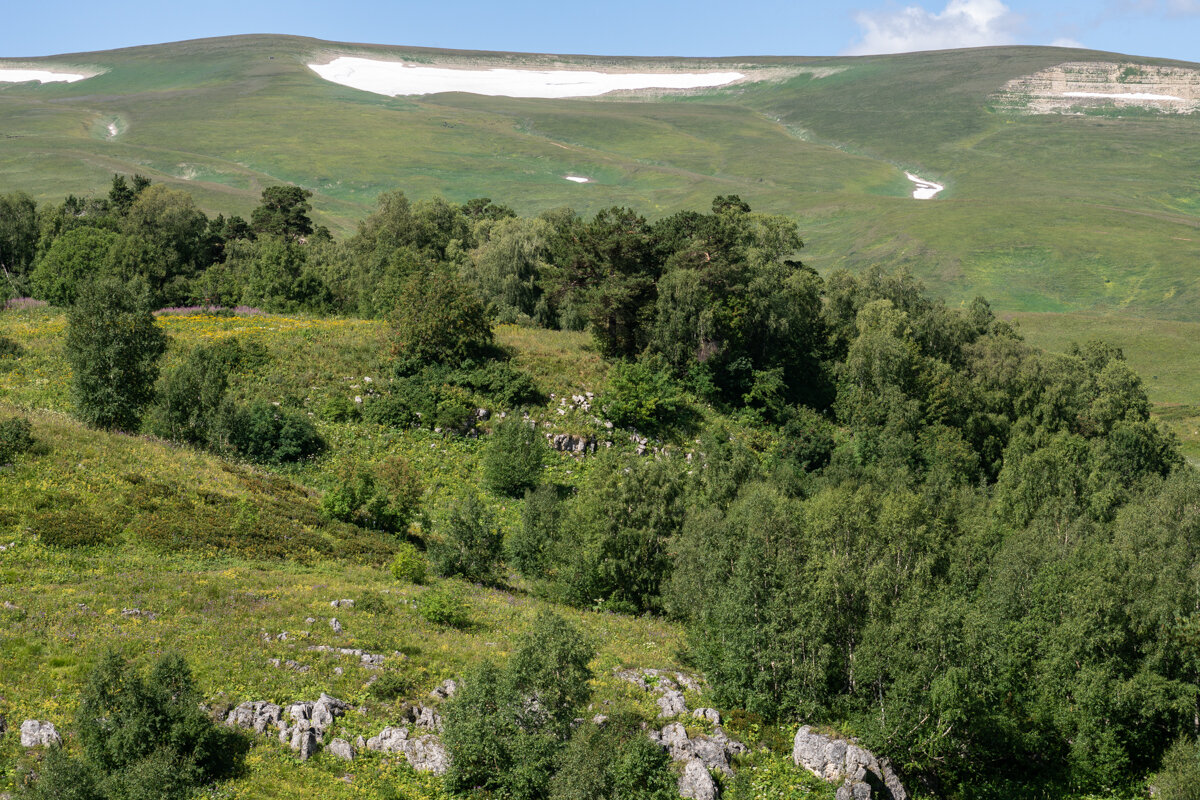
(513, 458)
(445, 604)
(470, 541)
(339, 408)
(408, 564)
(533, 548)
(502, 384)
(386, 497)
(455, 409)
(142, 738)
(393, 684)
(613, 762)
(10, 349)
(641, 395)
(1179, 778)
(191, 395)
(72, 527)
(264, 432)
(113, 346)
(16, 436)
(499, 740)
(391, 410)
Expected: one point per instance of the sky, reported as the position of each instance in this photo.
(1162, 28)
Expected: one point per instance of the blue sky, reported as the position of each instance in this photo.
(1164, 28)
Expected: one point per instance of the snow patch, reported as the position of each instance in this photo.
(395, 78)
(1126, 96)
(577, 178)
(113, 130)
(10, 75)
(923, 189)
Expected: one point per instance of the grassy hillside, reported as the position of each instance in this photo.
(1041, 213)
(131, 543)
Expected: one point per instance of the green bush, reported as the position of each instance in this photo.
(497, 739)
(614, 761)
(393, 684)
(142, 738)
(641, 395)
(16, 436)
(72, 527)
(1179, 777)
(408, 564)
(438, 320)
(514, 458)
(10, 349)
(470, 541)
(190, 397)
(393, 410)
(339, 408)
(386, 497)
(532, 549)
(445, 604)
(113, 346)
(264, 432)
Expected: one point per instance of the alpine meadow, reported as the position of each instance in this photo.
(391, 423)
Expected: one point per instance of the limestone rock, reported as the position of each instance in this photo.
(256, 716)
(710, 714)
(35, 733)
(427, 754)
(335, 625)
(389, 740)
(445, 690)
(305, 742)
(672, 704)
(834, 759)
(695, 783)
(342, 749)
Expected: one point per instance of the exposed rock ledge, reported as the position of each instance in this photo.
(863, 775)
(1079, 86)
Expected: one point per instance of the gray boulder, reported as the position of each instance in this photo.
(427, 754)
(839, 760)
(695, 783)
(672, 704)
(445, 690)
(304, 741)
(35, 733)
(710, 714)
(714, 752)
(389, 740)
(342, 749)
(337, 626)
(257, 716)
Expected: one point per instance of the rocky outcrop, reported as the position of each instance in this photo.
(309, 721)
(342, 749)
(1076, 87)
(445, 690)
(35, 733)
(862, 774)
(696, 783)
(714, 752)
(425, 754)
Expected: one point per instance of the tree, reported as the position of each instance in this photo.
(75, 257)
(18, 239)
(283, 211)
(142, 738)
(438, 320)
(471, 542)
(514, 457)
(113, 346)
(506, 727)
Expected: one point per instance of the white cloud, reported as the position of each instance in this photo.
(1183, 8)
(1066, 41)
(962, 23)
